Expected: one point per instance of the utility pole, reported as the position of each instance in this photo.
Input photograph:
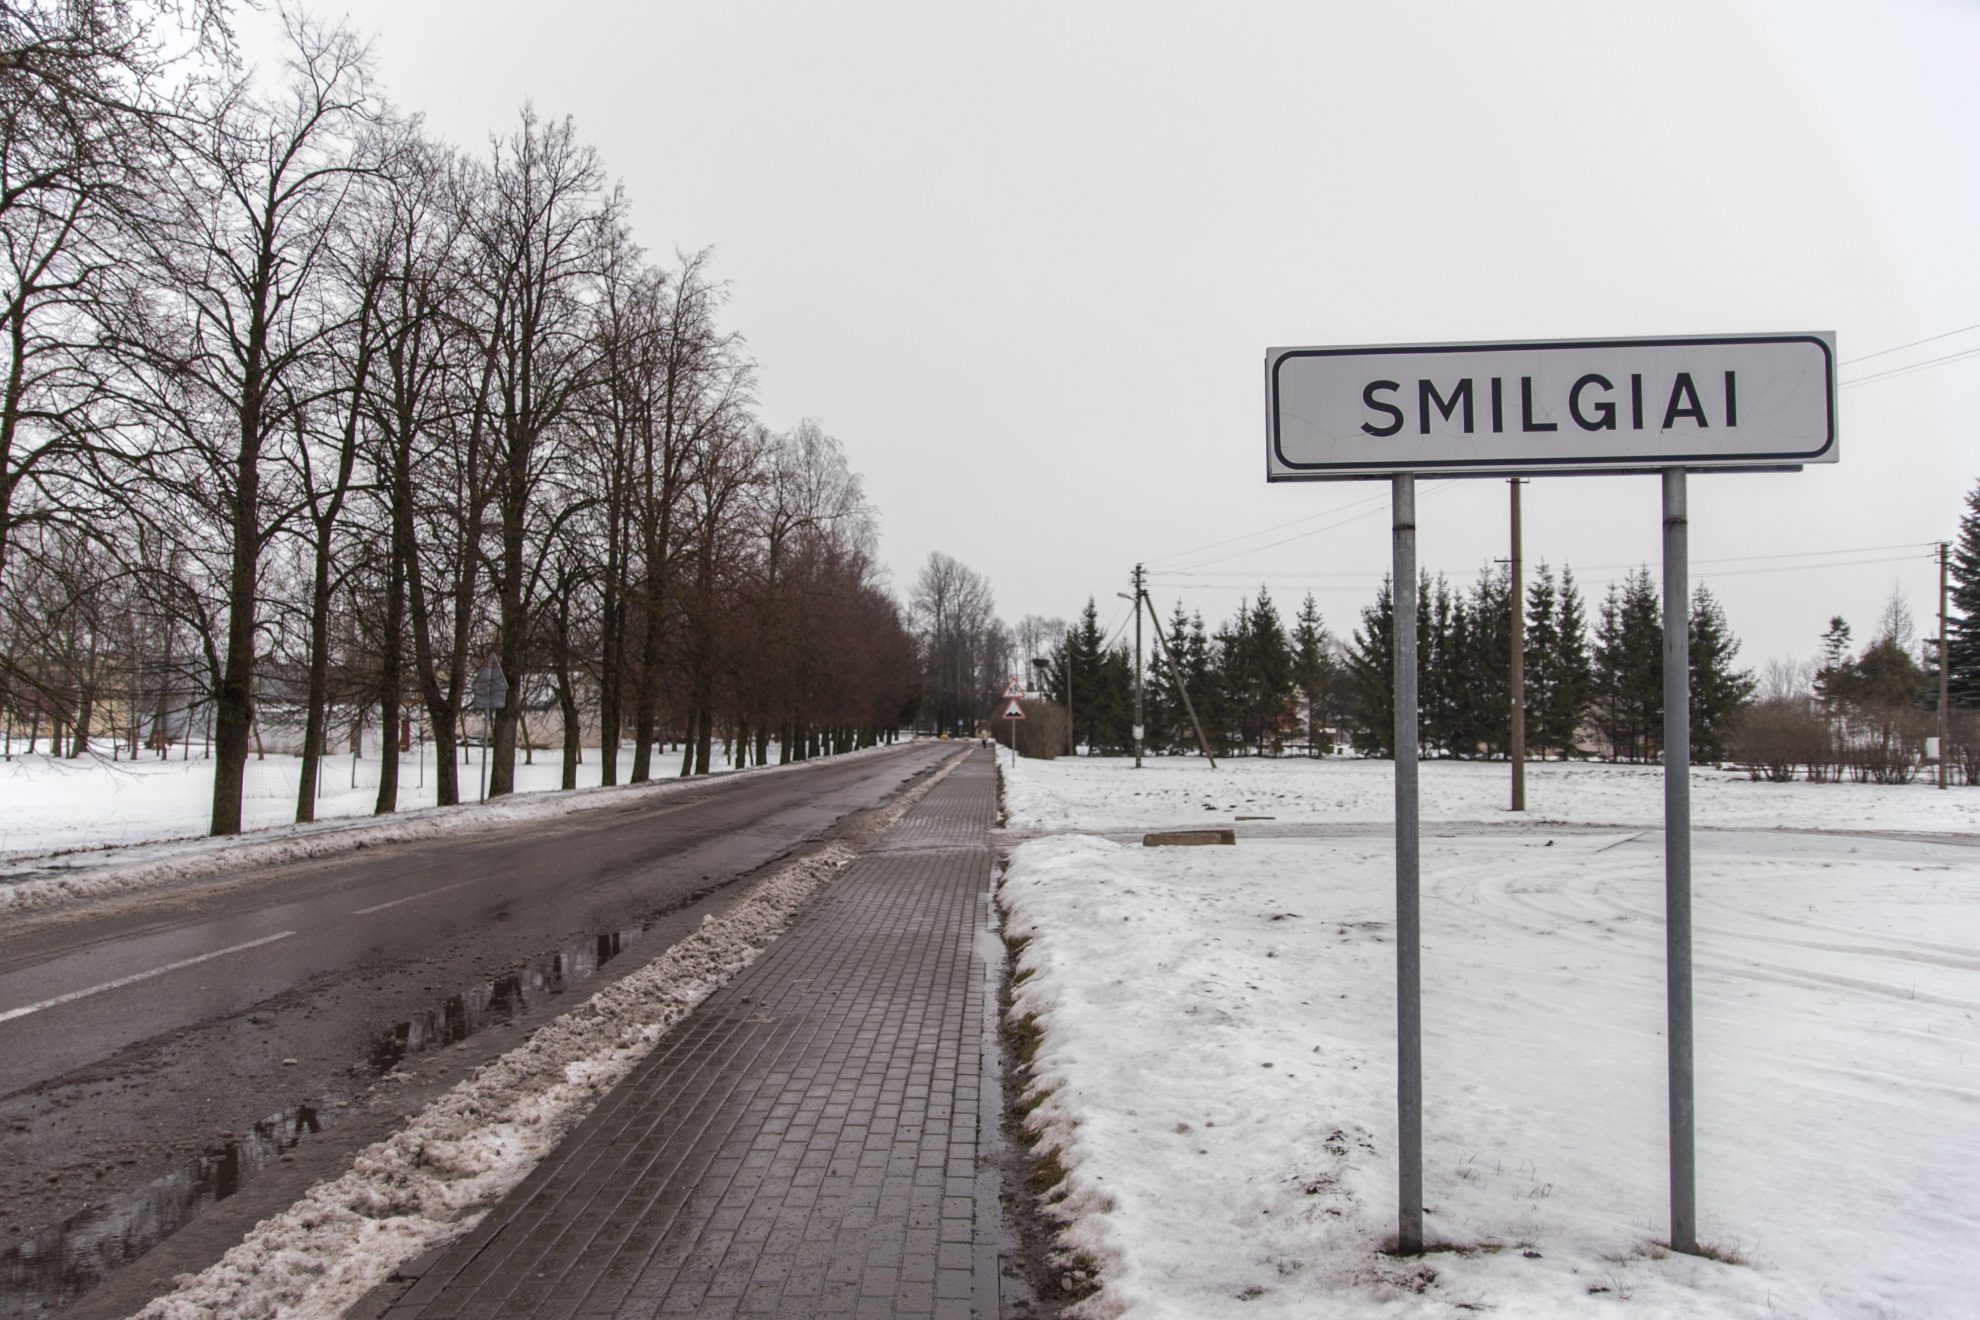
(1518, 604)
(1072, 737)
(1138, 727)
(1945, 742)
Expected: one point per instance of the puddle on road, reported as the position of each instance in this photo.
(43, 1275)
(495, 1002)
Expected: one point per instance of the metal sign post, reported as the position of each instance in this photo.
(1013, 712)
(491, 690)
(1517, 608)
(1732, 402)
(1677, 859)
(1409, 960)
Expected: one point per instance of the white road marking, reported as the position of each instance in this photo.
(424, 893)
(135, 977)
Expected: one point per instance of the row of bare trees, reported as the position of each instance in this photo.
(307, 410)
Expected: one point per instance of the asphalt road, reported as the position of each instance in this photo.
(133, 1040)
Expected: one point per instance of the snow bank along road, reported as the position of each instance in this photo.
(1217, 1048)
(156, 1048)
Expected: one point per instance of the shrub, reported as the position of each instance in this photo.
(1775, 738)
(1041, 734)
(1962, 755)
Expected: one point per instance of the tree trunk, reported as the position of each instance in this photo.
(391, 679)
(704, 737)
(85, 712)
(612, 626)
(502, 750)
(647, 694)
(319, 679)
(608, 688)
(567, 700)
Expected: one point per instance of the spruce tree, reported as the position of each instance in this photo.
(1370, 676)
(1488, 702)
(1573, 669)
(1541, 655)
(1718, 691)
(1833, 674)
(1443, 657)
(1963, 622)
(1272, 686)
(1312, 670)
(1168, 722)
(1368, 698)
(1199, 672)
(1113, 712)
(1629, 664)
(1079, 657)
(1224, 716)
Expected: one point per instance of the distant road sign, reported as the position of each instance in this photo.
(1014, 689)
(1013, 711)
(491, 687)
(1575, 405)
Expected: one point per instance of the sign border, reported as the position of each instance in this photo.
(1494, 467)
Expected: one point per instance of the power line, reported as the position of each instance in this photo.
(1301, 536)
(1265, 531)
(1234, 577)
(1245, 575)
(1928, 339)
(1115, 629)
(1790, 554)
(1285, 580)
(1911, 367)
(1805, 568)
(1714, 575)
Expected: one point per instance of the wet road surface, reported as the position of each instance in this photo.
(153, 1058)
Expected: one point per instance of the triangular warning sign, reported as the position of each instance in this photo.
(1013, 711)
(1014, 689)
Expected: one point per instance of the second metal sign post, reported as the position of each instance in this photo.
(1568, 406)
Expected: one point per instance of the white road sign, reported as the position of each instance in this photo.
(491, 688)
(1013, 711)
(1577, 405)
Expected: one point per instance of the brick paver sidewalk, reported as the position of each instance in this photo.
(806, 1143)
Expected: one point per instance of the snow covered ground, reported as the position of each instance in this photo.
(1107, 793)
(71, 829)
(58, 804)
(1219, 1025)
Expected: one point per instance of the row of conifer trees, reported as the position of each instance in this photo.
(1261, 686)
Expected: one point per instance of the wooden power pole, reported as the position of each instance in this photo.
(1945, 729)
(1139, 728)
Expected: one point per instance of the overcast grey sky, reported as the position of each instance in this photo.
(1024, 260)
